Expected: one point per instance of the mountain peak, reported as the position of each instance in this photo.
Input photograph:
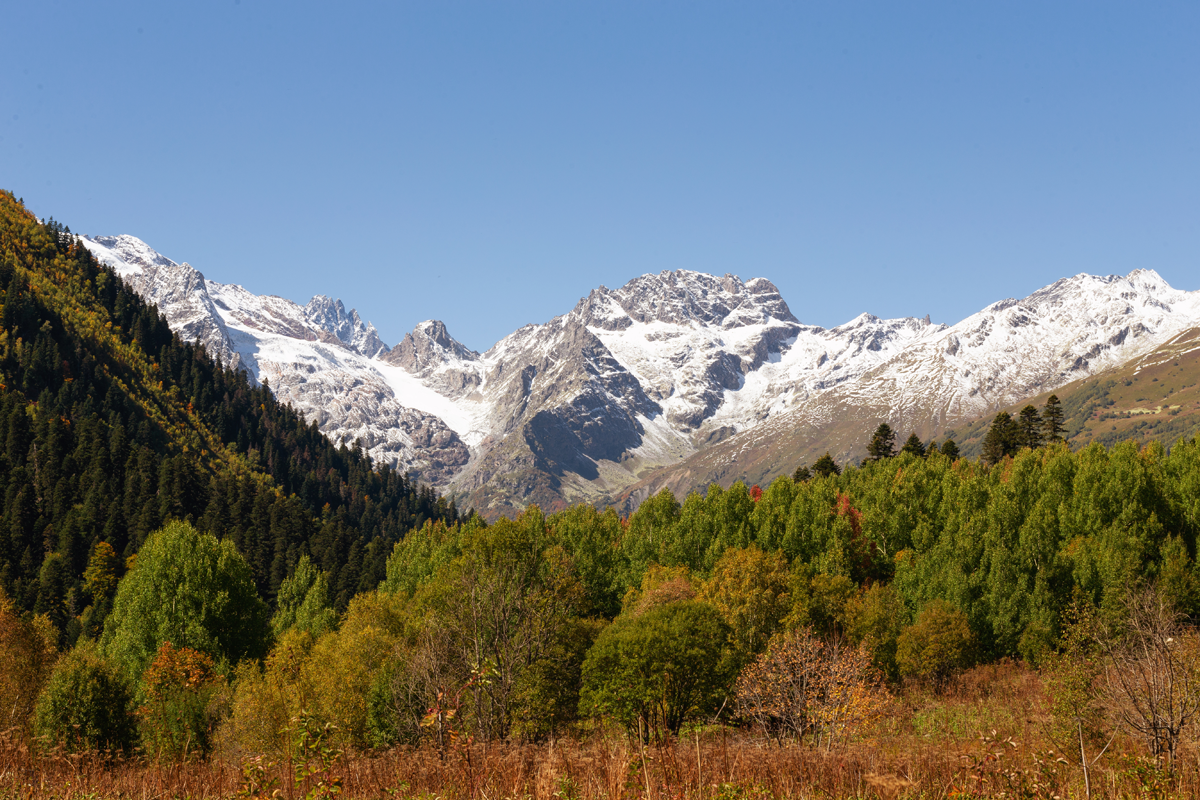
(428, 347)
(126, 254)
(330, 315)
(685, 297)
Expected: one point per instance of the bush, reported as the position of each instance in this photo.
(938, 645)
(808, 686)
(180, 687)
(86, 705)
(343, 665)
(266, 697)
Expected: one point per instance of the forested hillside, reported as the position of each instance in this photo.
(110, 426)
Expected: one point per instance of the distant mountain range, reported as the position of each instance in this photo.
(674, 380)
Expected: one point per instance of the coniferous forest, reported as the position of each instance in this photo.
(195, 577)
(111, 426)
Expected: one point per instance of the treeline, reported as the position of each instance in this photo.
(908, 566)
(110, 426)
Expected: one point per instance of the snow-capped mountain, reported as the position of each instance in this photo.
(317, 357)
(998, 357)
(645, 376)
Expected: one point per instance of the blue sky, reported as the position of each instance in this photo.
(487, 164)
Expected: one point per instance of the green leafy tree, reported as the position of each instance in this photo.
(418, 556)
(882, 444)
(649, 536)
(1052, 420)
(191, 590)
(751, 590)
(590, 537)
(659, 669)
(819, 601)
(87, 704)
(497, 619)
(914, 446)
(875, 619)
(825, 466)
(1030, 422)
(303, 602)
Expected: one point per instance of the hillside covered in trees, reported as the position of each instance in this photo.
(110, 425)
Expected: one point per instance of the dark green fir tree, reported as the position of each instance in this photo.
(1003, 438)
(882, 444)
(1052, 420)
(826, 466)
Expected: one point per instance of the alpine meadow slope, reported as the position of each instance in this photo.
(674, 380)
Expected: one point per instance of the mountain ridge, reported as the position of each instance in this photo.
(638, 381)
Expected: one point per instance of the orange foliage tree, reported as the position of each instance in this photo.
(804, 686)
(179, 688)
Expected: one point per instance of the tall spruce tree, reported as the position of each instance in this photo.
(1003, 438)
(950, 449)
(1052, 420)
(825, 466)
(1030, 423)
(913, 445)
(882, 444)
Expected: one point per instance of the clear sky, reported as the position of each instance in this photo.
(489, 163)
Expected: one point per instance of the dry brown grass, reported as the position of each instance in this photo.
(929, 746)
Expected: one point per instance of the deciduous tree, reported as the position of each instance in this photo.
(661, 668)
(191, 590)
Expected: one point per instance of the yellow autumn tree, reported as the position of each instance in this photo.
(806, 686)
(751, 590)
(27, 656)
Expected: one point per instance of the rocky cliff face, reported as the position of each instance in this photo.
(673, 374)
